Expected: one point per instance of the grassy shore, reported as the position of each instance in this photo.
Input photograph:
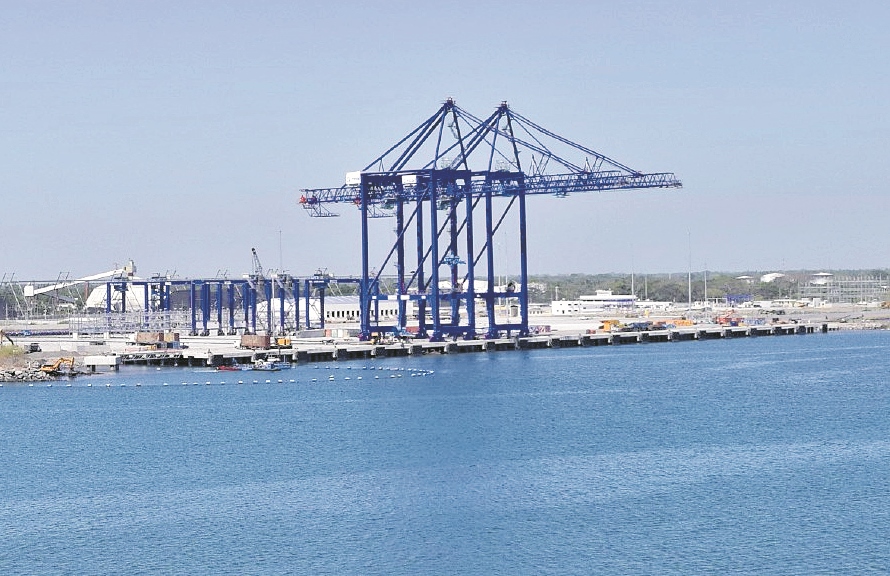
(12, 357)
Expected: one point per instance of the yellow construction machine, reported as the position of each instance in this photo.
(62, 366)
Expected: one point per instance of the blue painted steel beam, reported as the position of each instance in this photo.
(193, 305)
(296, 294)
(219, 308)
(205, 307)
(387, 187)
(308, 319)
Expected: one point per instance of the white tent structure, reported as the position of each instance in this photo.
(98, 298)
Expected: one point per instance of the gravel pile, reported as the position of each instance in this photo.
(23, 375)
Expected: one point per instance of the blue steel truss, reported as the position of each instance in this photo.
(471, 165)
(229, 304)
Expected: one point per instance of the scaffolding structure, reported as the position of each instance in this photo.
(832, 289)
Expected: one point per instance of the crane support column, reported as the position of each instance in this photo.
(434, 280)
(193, 302)
(402, 321)
(308, 319)
(523, 266)
(452, 248)
(219, 308)
(470, 288)
(489, 245)
(364, 287)
(296, 290)
(205, 308)
(422, 289)
(231, 299)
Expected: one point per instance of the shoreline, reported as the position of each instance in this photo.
(561, 331)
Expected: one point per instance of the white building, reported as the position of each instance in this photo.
(342, 309)
(602, 301)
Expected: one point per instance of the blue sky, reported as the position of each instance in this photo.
(178, 134)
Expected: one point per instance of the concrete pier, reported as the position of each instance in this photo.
(303, 353)
(112, 351)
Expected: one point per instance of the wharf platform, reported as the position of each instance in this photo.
(311, 352)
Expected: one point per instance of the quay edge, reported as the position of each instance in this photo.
(305, 353)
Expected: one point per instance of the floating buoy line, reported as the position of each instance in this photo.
(378, 372)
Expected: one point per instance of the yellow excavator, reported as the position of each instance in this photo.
(62, 366)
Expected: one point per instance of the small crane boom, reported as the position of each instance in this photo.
(257, 265)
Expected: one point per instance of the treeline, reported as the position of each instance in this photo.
(676, 287)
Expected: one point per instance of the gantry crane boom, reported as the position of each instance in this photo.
(506, 184)
(597, 173)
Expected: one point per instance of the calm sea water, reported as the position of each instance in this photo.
(765, 455)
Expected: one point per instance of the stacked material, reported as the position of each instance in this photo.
(11, 374)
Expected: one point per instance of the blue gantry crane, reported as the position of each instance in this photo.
(469, 176)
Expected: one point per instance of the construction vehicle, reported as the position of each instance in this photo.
(61, 366)
(729, 319)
